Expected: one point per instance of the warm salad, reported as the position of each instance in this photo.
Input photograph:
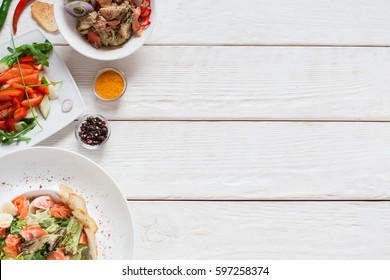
(110, 22)
(42, 228)
(23, 90)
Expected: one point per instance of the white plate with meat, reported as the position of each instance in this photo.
(110, 30)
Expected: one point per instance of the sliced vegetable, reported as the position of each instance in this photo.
(3, 233)
(19, 126)
(19, 115)
(53, 92)
(45, 106)
(30, 117)
(78, 8)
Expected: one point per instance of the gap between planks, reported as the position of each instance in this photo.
(251, 120)
(252, 45)
(256, 200)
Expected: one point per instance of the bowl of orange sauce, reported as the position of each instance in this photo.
(109, 84)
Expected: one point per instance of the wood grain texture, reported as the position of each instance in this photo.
(244, 160)
(287, 230)
(260, 22)
(244, 83)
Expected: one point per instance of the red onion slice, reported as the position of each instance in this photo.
(78, 8)
(67, 105)
(91, 2)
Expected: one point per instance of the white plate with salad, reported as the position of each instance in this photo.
(38, 96)
(39, 172)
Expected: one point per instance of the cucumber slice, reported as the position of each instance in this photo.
(19, 126)
(44, 107)
(52, 89)
(30, 116)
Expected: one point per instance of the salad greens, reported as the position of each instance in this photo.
(17, 225)
(2, 245)
(40, 52)
(10, 137)
(72, 236)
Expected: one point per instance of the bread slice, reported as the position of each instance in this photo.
(77, 203)
(43, 13)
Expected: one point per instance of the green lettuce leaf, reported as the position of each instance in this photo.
(72, 236)
(17, 225)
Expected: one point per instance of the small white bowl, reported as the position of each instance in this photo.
(67, 25)
(103, 71)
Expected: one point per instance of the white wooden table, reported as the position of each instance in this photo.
(251, 129)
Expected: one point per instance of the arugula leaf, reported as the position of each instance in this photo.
(38, 50)
(10, 137)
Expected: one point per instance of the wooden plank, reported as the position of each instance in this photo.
(244, 83)
(260, 22)
(244, 160)
(206, 230)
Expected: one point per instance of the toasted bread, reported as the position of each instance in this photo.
(43, 13)
(77, 203)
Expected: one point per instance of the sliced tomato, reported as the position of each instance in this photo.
(31, 79)
(10, 125)
(2, 125)
(57, 255)
(83, 238)
(31, 232)
(146, 12)
(20, 114)
(21, 88)
(43, 89)
(43, 202)
(5, 105)
(14, 73)
(3, 232)
(60, 211)
(24, 66)
(145, 23)
(12, 245)
(35, 100)
(145, 3)
(27, 59)
(9, 94)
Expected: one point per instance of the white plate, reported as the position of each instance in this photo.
(43, 169)
(68, 28)
(57, 71)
